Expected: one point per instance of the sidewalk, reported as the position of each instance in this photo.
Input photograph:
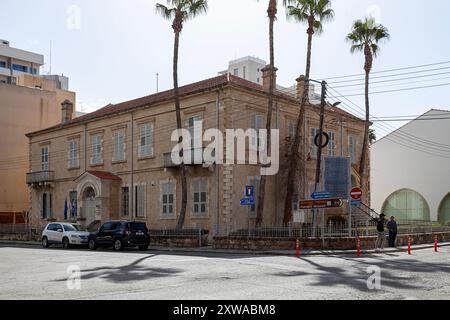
(303, 252)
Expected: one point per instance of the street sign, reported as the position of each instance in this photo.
(356, 202)
(247, 202)
(321, 195)
(321, 203)
(356, 194)
(249, 191)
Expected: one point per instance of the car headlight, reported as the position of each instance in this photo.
(74, 236)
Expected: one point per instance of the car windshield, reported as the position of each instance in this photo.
(138, 226)
(73, 227)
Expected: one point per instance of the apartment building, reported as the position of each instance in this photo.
(115, 163)
(28, 102)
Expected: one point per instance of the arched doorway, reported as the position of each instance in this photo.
(89, 204)
(444, 210)
(406, 205)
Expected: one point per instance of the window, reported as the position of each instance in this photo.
(406, 205)
(140, 201)
(44, 158)
(168, 199)
(2, 64)
(257, 123)
(73, 154)
(73, 203)
(314, 133)
(244, 71)
(254, 181)
(46, 209)
(119, 146)
(125, 204)
(352, 148)
(200, 197)
(34, 71)
(97, 157)
(194, 127)
(146, 141)
(20, 68)
(236, 72)
(292, 128)
(331, 144)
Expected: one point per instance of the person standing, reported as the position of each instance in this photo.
(379, 244)
(392, 227)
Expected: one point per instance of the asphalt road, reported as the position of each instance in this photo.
(35, 273)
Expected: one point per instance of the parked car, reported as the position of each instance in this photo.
(120, 234)
(64, 233)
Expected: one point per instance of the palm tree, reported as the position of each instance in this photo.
(372, 136)
(365, 37)
(180, 11)
(314, 13)
(272, 14)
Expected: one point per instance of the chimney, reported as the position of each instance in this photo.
(66, 111)
(266, 77)
(301, 88)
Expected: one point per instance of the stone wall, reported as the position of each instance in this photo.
(244, 243)
(178, 241)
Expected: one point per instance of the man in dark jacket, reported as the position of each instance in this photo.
(392, 227)
(379, 244)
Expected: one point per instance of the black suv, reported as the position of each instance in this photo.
(120, 234)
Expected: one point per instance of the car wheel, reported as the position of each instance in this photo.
(92, 244)
(45, 243)
(66, 243)
(143, 247)
(118, 245)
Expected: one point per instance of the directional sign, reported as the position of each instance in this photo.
(321, 203)
(247, 202)
(249, 191)
(356, 194)
(321, 195)
(356, 202)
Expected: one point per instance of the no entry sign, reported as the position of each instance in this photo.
(356, 194)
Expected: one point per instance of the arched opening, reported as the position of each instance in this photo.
(406, 205)
(444, 211)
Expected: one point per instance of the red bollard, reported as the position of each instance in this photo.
(358, 250)
(409, 245)
(297, 249)
(435, 244)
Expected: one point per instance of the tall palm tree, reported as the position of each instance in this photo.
(272, 14)
(365, 37)
(180, 11)
(314, 13)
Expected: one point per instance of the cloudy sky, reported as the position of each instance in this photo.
(112, 49)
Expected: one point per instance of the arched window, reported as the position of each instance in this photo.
(444, 211)
(406, 205)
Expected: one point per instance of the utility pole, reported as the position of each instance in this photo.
(319, 148)
(157, 82)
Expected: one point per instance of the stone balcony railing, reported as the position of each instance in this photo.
(40, 177)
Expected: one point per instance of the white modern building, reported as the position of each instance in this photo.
(410, 170)
(250, 68)
(14, 62)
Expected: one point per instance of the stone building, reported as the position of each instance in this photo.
(115, 163)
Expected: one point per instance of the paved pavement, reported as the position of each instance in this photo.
(30, 272)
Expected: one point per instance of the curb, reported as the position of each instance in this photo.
(261, 252)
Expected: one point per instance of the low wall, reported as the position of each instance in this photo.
(14, 236)
(244, 243)
(178, 241)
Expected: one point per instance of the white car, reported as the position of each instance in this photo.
(64, 233)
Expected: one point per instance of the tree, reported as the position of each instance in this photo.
(272, 14)
(314, 13)
(372, 136)
(365, 37)
(179, 11)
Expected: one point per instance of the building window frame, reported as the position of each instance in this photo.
(119, 146)
(168, 199)
(352, 141)
(200, 197)
(332, 144)
(140, 200)
(125, 201)
(96, 149)
(45, 158)
(74, 159)
(256, 123)
(146, 140)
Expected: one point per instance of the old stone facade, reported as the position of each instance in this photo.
(115, 163)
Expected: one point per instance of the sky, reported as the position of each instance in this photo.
(112, 49)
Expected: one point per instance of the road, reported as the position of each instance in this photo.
(35, 273)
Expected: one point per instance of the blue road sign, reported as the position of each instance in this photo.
(356, 202)
(321, 195)
(249, 191)
(248, 202)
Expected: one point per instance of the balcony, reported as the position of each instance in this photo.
(168, 163)
(40, 178)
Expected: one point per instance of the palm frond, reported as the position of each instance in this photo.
(367, 33)
(164, 11)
